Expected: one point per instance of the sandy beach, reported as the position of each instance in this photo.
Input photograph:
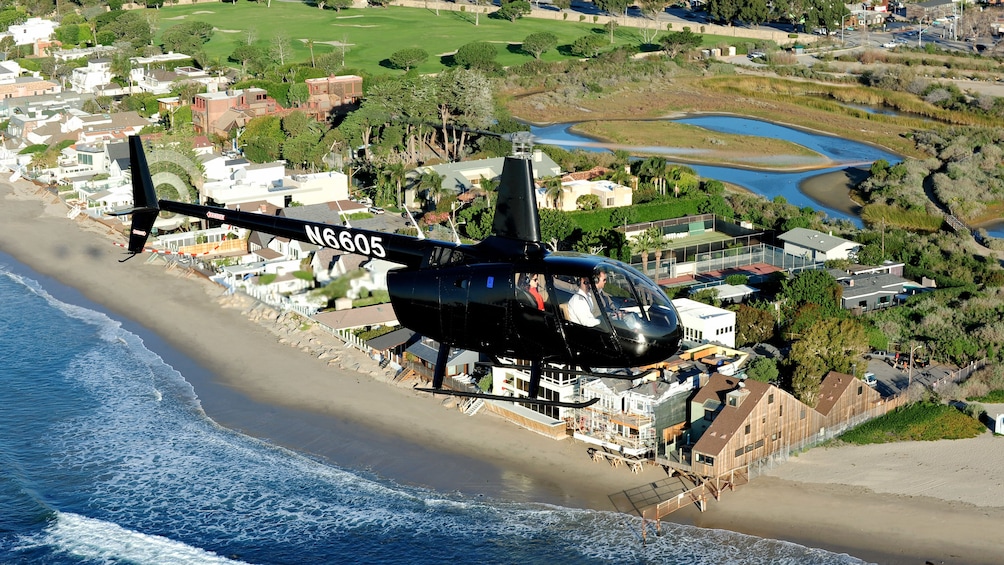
(898, 503)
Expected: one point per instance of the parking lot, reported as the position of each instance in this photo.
(892, 380)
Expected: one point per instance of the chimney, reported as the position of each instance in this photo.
(262, 208)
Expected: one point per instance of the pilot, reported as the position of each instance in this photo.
(581, 306)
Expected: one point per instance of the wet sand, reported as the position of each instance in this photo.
(832, 190)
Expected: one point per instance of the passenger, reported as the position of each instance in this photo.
(529, 283)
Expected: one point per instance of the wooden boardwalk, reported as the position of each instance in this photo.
(658, 499)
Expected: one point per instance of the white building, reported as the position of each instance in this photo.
(267, 182)
(817, 246)
(703, 323)
(34, 29)
(609, 193)
(96, 74)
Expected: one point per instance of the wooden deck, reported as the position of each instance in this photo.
(658, 499)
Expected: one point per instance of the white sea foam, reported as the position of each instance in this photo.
(101, 541)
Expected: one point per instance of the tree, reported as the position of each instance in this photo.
(611, 28)
(408, 58)
(587, 46)
(676, 42)
(246, 55)
(477, 55)
(432, 183)
(763, 369)
(613, 7)
(186, 37)
(310, 46)
(830, 345)
(262, 139)
(539, 43)
(298, 94)
(816, 287)
(754, 324)
(587, 202)
(554, 191)
(281, 48)
(512, 10)
(643, 244)
(555, 227)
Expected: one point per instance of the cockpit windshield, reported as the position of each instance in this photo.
(617, 310)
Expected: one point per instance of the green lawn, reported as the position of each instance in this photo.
(373, 34)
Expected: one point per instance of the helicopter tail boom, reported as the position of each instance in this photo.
(145, 206)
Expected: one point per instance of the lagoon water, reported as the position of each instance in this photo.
(846, 152)
(106, 457)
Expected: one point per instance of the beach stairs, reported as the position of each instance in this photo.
(74, 212)
(472, 406)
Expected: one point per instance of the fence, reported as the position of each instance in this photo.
(960, 375)
(782, 455)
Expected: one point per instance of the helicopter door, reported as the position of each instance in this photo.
(584, 309)
(454, 288)
(535, 325)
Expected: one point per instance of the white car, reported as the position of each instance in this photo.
(890, 44)
(376, 210)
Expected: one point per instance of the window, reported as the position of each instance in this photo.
(770, 398)
(749, 448)
(758, 444)
(85, 159)
(802, 417)
(747, 428)
(739, 452)
(861, 389)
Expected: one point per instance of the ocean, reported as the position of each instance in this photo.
(107, 457)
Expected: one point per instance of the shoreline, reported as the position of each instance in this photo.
(247, 380)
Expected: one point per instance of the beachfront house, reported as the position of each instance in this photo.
(734, 423)
(818, 246)
(624, 420)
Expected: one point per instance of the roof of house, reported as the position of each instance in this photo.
(429, 351)
(872, 283)
(392, 339)
(729, 418)
(830, 390)
(376, 315)
(812, 239)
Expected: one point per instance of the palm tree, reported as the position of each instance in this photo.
(658, 240)
(398, 174)
(643, 244)
(555, 192)
(310, 45)
(432, 182)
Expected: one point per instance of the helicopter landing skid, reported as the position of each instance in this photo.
(524, 400)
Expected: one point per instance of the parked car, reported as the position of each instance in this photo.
(889, 44)
(870, 379)
(754, 55)
(376, 210)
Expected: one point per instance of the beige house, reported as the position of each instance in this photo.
(610, 194)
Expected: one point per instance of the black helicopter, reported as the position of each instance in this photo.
(507, 296)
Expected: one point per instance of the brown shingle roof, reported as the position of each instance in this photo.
(830, 390)
(729, 418)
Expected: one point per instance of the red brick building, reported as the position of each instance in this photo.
(330, 92)
(220, 112)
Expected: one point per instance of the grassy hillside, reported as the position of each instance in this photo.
(371, 35)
